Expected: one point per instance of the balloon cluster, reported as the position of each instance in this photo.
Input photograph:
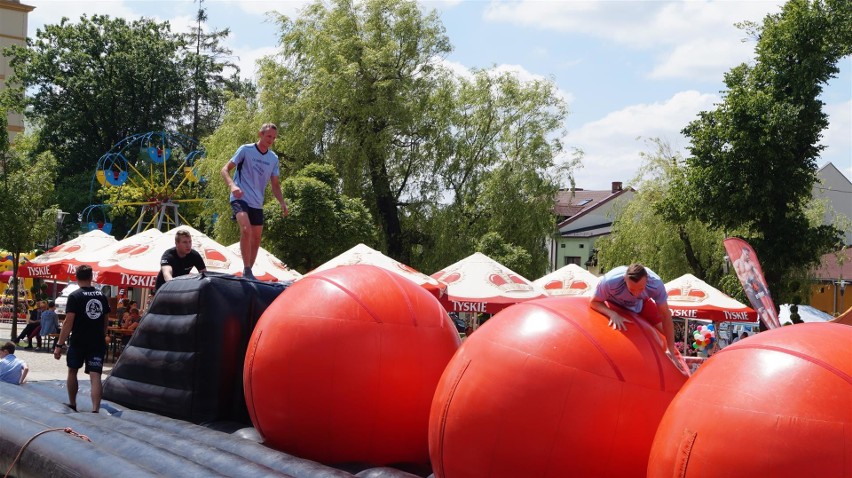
(704, 337)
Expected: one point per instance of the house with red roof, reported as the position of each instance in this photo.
(583, 216)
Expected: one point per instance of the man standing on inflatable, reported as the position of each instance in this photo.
(256, 166)
(86, 323)
(637, 289)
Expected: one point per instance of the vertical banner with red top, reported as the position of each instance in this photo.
(751, 277)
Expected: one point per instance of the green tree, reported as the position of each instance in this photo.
(655, 228)
(26, 186)
(355, 91)
(496, 163)
(316, 207)
(206, 61)
(99, 80)
(439, 160)
(753, 159)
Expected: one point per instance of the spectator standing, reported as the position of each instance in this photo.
(85, 325)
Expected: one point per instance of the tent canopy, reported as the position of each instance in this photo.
(61, 261)
(478, 283)
(692, 298)
(569, 280)
(135, 261)
(267, 267)
(363, 254)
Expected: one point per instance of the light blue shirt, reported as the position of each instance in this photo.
(49, 323)
(613, 288)
(256, 171)
(11, 369)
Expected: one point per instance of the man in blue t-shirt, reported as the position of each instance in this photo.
(637, 289)
(12, 369)
(256, 167)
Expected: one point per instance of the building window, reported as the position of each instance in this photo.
(572, 260)
(562, 245)
(582, 246)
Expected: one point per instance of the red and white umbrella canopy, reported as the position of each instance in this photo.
(135, 261)
(692, 298)
(61, 261)
(478, 283)
(267, 267)
(571, 280)
(363, 254)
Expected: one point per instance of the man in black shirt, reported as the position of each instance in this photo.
(179, 260)
(86, 324)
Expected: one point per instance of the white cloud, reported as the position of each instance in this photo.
(612, 144)
(695, 39)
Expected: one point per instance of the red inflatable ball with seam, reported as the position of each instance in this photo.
(776, 404)
(546, 388)
(342, 367)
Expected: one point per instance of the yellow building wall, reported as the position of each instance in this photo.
(829, 298)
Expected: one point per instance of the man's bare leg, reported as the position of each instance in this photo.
(246, 241)
(71, 385)
(257, 232)
(97, 390)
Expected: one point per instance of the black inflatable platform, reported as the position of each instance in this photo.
(186, 358)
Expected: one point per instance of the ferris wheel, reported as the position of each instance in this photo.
(154, 171)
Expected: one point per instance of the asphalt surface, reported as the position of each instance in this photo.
(41, 362)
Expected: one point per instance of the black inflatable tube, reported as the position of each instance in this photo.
(109, 445)
(385, 472)
(276, 460)
(153, 442)
(57, 454)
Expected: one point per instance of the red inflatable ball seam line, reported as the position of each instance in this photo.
(445, 412)
(349, 293)
(831, 368)
(394, 278)
(645, 327)
(586, 334)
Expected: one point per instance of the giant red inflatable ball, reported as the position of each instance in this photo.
(546, 388)
(776, 404)
(342, 367)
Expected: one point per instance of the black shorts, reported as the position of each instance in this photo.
(92, 356)
(255, 215)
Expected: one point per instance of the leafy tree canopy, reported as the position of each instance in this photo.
(753, 159)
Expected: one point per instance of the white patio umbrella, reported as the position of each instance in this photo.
(478, 283)
(61, 261)
(135, 261)
(267, 267)
(692, 298)
(363, 254)
(571, 280)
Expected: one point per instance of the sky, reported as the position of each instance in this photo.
(630, 71)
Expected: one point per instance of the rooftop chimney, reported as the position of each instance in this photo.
(616, 186)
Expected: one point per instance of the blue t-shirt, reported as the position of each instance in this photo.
(613, 288)
(256, 171)
(11, 369)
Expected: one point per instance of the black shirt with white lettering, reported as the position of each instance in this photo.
(181, 266)
(90, 308)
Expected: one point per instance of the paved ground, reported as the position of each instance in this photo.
(42, 364)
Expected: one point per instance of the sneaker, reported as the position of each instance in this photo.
(248, 275)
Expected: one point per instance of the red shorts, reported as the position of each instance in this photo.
(650, 312)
